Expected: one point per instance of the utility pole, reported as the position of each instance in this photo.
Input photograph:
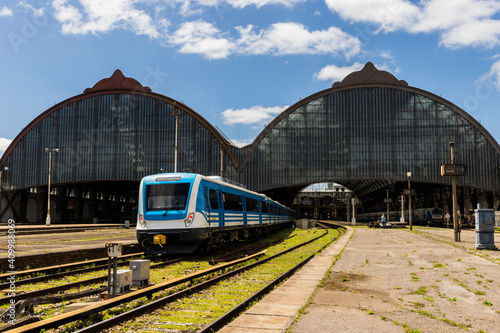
(454, 170)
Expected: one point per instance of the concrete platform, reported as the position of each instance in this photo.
(386, 280)
(277, 311)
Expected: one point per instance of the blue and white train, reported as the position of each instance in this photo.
(178, 212)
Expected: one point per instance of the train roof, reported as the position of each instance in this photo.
(171, 177)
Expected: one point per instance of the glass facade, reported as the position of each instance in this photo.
(363, 136)
(111, 137)
(371, 133)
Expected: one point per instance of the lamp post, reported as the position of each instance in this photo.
(387, 196)
(47, 150)
(176, 115)
(454, 195)
(409, 198)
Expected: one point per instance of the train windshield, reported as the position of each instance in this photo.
(165, 197)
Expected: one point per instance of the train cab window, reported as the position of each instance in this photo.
(161, 197)
(252, 205)
(214, 201)
(232, 202)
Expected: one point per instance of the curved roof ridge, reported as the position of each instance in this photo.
(117, 81)
(369, 74)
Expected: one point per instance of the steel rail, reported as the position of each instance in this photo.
(67, 286)
(238, 309)
(53, 290)
(115, 320)
(65, 318)
(64, 266)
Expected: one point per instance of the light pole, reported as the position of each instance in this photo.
(176, 115)
(409, 198)
(47, 150)
(454, 195)
(387, 191)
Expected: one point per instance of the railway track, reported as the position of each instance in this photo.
(184, 285)
(44, 295)
(209, 279)
(56, 272)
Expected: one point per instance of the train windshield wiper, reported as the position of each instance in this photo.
(175, 206)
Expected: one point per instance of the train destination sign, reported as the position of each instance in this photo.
(448, 170)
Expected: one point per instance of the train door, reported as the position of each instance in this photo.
(244, 208)
(206, 193)
(261, 212)
(215, 210)
(220, 197)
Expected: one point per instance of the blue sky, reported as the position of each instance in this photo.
(239, 63)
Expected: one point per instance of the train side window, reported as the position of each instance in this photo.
(214, 202)
(252, 205)
(264, 207)
(232, 202)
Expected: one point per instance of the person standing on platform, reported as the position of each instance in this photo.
(383, 221)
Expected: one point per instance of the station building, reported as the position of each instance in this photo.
(366, 133)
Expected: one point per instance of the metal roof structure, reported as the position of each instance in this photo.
(364, 133)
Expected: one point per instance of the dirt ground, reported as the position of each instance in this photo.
(395, 280)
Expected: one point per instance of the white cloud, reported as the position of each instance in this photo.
(294, 38)
(192, 7)
(241, 143)
(4, 11)
(4, 144)
(29, 7)
(492, 77)
(254, 115)
(200, 37)
(477, 34)
(460, 23)
(335, 73)
(101, 16)
(79, 17)
(389, 14)
(260, 3)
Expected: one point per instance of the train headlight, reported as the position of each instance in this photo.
(142, 221)
(189, 220)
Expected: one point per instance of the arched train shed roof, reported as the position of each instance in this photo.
(359, 133)
(193, 128)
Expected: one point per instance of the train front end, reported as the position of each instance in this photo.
(167, 221)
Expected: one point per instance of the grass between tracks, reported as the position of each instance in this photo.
(192, 313)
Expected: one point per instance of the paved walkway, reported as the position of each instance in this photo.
(390, 280)
(278, 310)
